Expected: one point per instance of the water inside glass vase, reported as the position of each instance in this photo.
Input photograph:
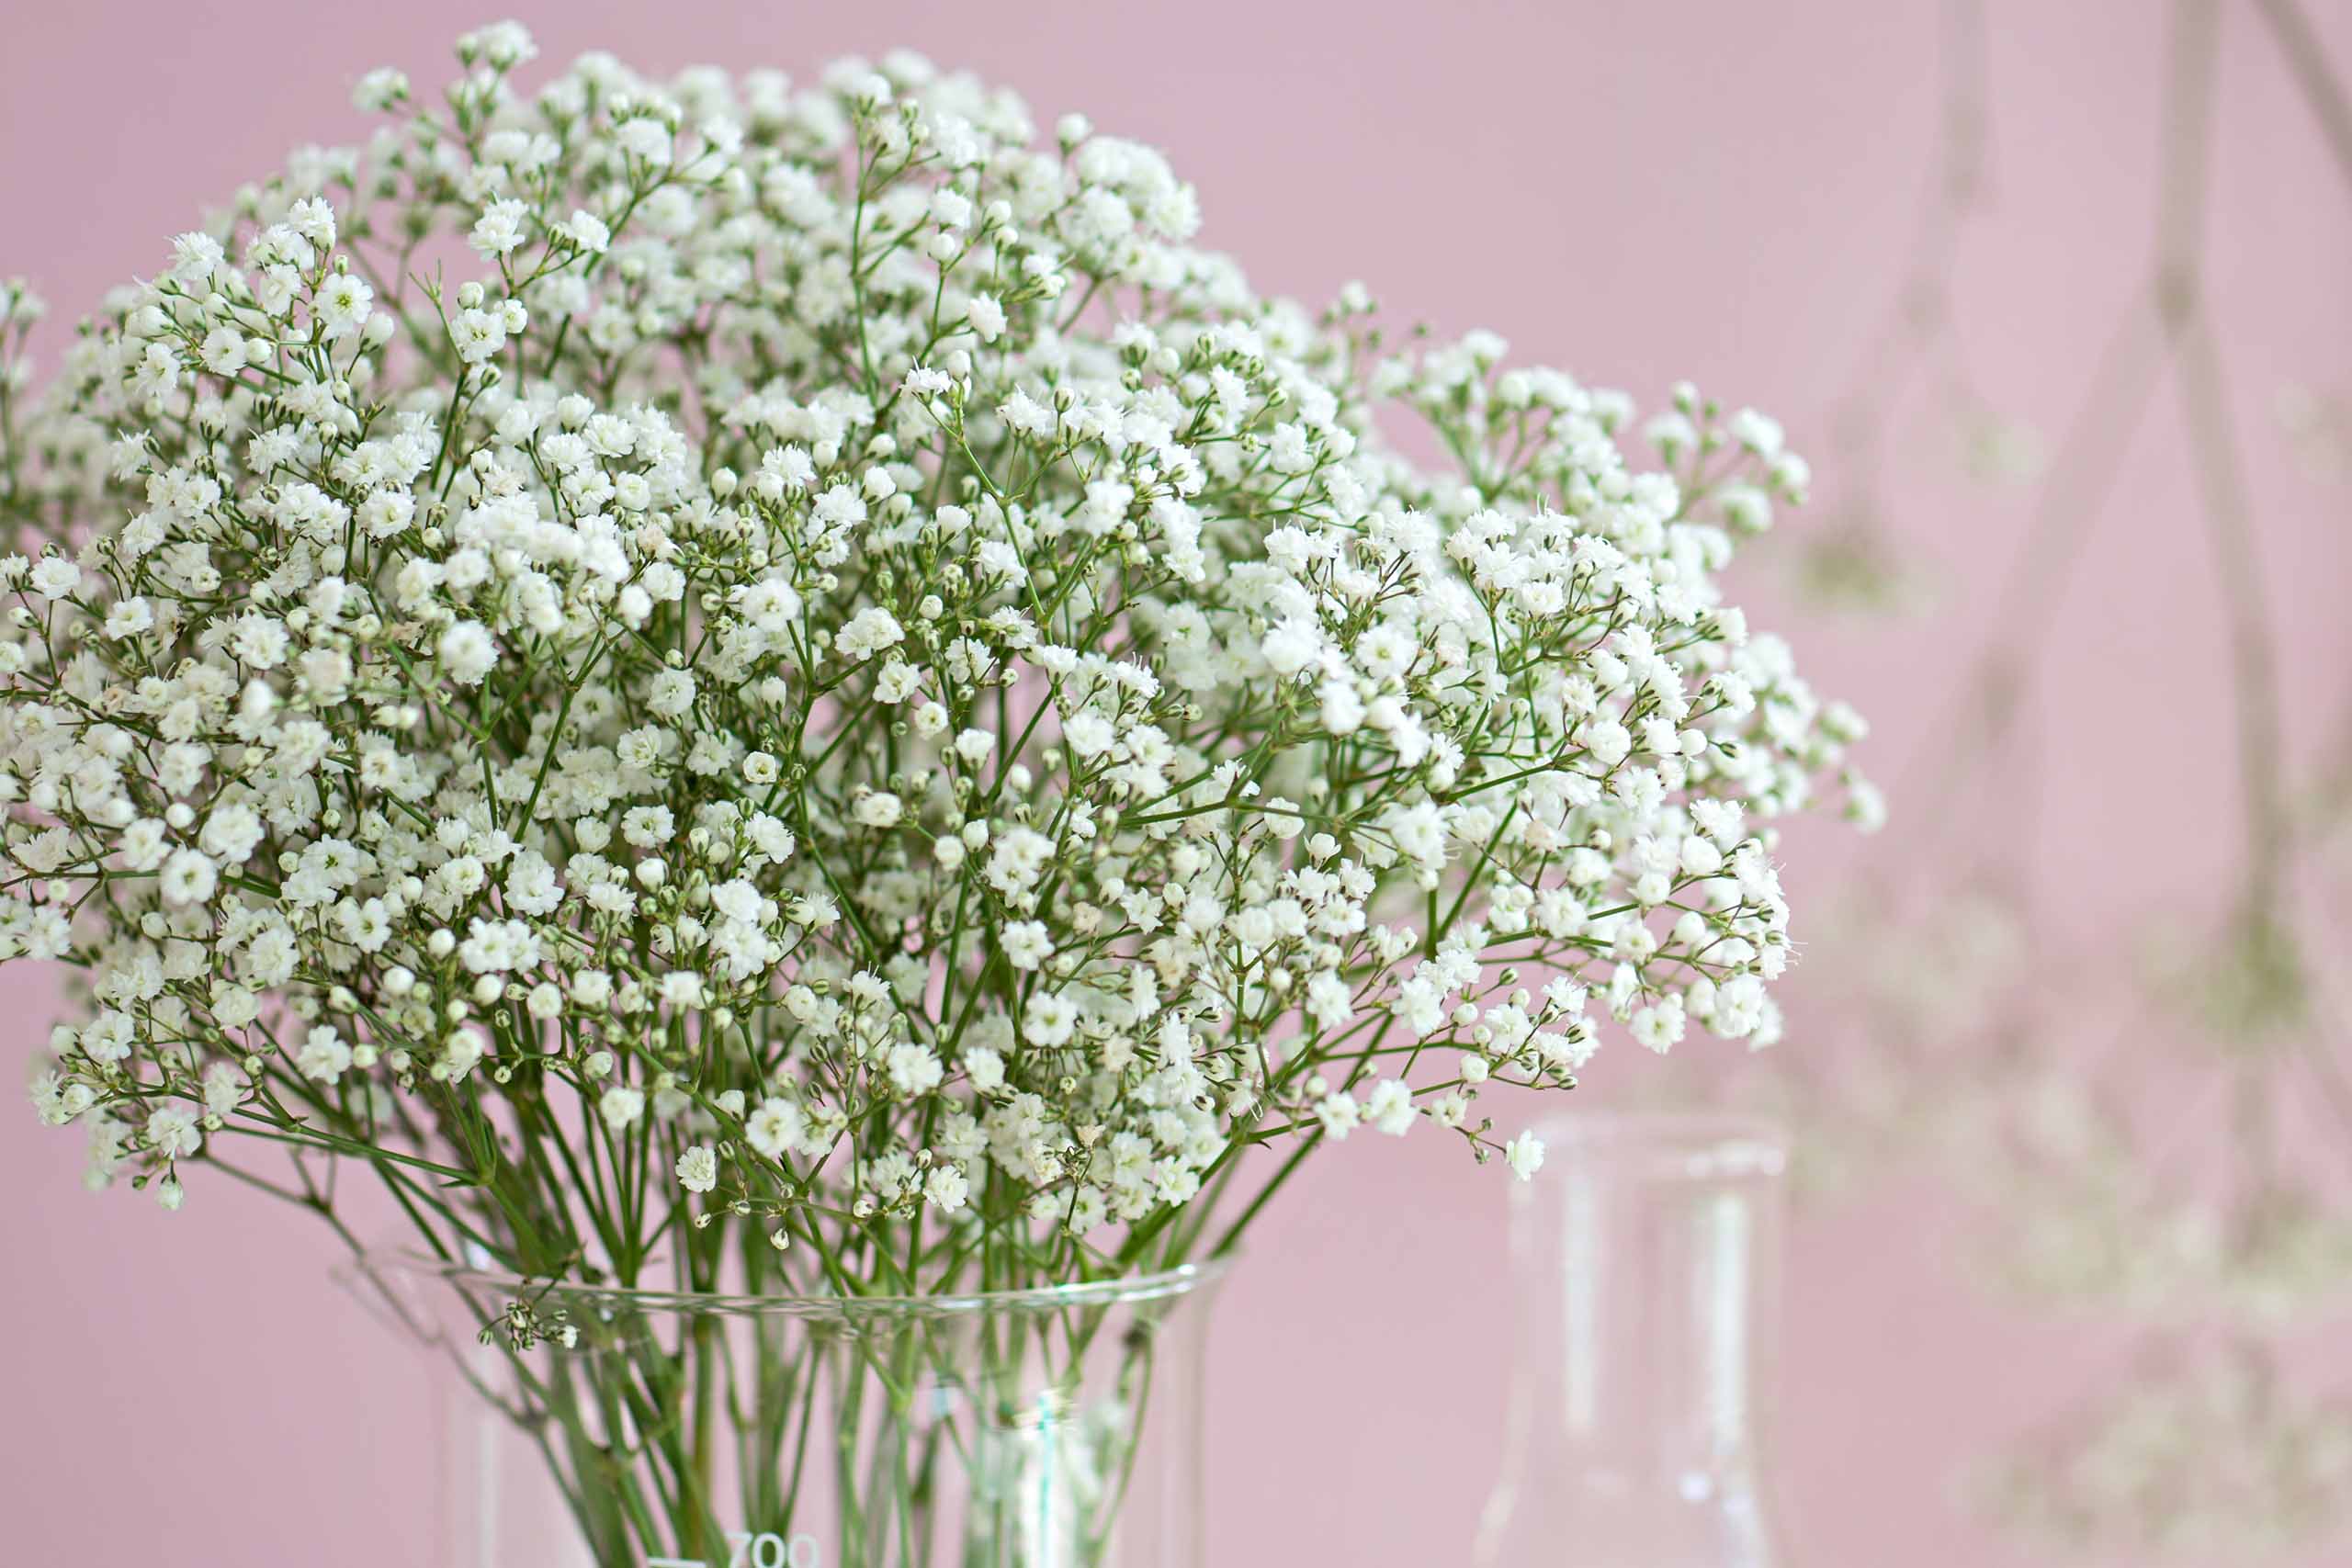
(599, 1428)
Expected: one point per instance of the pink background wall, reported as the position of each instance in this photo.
(1635, 192)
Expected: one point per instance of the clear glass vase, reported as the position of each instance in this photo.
(1645, 1264)
(609, 1428)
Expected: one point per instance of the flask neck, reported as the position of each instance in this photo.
(1648, 1268)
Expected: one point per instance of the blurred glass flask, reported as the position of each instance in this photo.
(1646, 1259)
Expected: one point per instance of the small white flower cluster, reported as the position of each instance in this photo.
(847, 666)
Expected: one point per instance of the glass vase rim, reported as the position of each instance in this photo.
(1164, 1284)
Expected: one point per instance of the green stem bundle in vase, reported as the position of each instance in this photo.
(1049, 1426)
(830, 752)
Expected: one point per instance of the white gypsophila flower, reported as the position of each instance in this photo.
(697, 1169)
(171, 1133)
(1524, 1154)
(1390, 1107)
(838, 656)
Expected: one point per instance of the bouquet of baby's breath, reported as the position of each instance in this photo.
(728, 683)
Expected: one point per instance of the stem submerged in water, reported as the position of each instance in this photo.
(1025, 1436)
